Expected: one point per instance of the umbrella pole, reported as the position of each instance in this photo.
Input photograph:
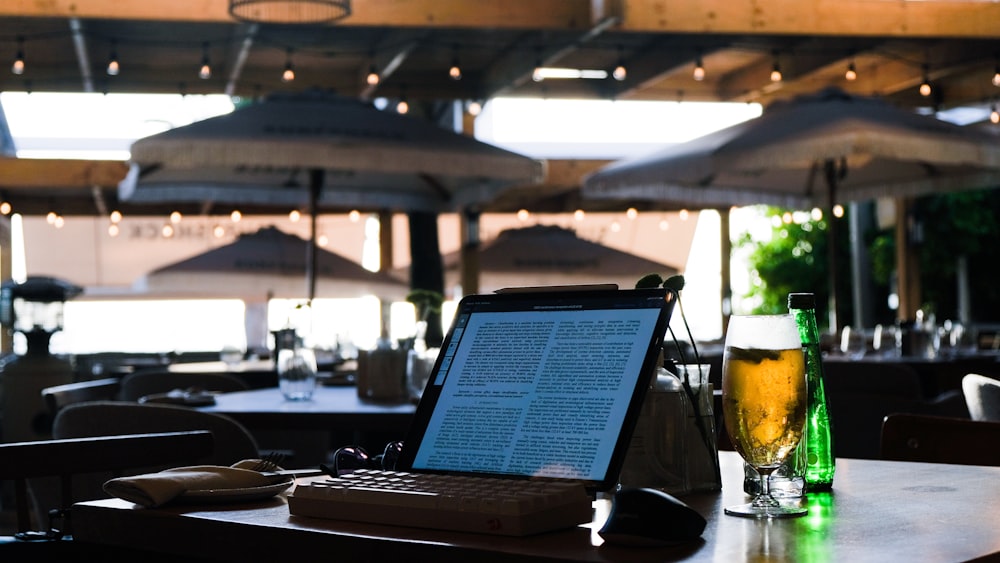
(315, 185)
(832, 173)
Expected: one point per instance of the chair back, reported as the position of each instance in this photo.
(940, 439)
(20, 461)
(59, 396)
(232, 442)
(136, 385)
(982, 395)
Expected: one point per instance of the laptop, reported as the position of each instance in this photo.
(539, 384)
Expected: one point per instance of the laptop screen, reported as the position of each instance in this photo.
(539, 384)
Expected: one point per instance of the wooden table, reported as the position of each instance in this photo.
(879, 511)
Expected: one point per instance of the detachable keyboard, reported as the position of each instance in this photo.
(447, 502)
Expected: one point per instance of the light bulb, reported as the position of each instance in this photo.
(205, 72)
(113, 230)
(235, 216)
(50, 217)
(167, 231)
(116, 216)
(5, 208)
(579, 215)
(455, 72)
(113, 66)
(996, 77)
(288, 74)
(475, 108)
(925, 88)
(632, 213)
(619, 73)
(852, 73)
(175, 217)
(294, 215)
(354, 216)
(699, 71)
(776, 74)
(402, 106)
(18, 66)
(994, 118)
(373, 78)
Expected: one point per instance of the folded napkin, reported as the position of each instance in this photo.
(155, 489)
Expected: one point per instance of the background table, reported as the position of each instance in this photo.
(878, 511)
(335, 416)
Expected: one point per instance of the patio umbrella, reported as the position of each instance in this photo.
(318, 150)
(544, 255)
(812, 151)
(269, 263)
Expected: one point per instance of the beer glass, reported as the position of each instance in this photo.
(764, 401)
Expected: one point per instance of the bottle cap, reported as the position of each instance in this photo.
(801, 301)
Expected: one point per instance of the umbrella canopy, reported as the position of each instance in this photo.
(322, 151)
(372, 159)
(269, 263)
(812, 151)
(544, 255)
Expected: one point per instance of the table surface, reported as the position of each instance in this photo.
(879, 510)
(330, 407)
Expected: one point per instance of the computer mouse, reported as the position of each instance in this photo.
(649, 517)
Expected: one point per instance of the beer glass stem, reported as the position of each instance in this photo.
(764, 498)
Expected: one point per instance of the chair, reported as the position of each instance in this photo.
(982, 395)
(59, 396)
(148, 382)
(63, 459)
(940, 439)
(233, 442)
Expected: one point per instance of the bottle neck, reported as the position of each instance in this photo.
(805, 320)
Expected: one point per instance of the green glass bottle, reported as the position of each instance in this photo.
(820, 462)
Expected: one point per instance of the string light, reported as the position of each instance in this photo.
(474, 108)
(294, 215)
(996, 76)
(620, 72)
(205, 72)
(167, 231)
(455, 72)
(116, 216)
(113, 230)
(632, 213)
(402, 106)
(925, 86)
(235, 216)
(579, 215)
(289, 73)
(994, 118)
(354, 216)
(852, 72)
(699, 70)
(18, 66)
(219, 231)
(373, 77)
(776, 70)
(522, 215)
(113, 66)
(175, 217)
(5, 207)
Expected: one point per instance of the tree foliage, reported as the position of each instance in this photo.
(946, 227)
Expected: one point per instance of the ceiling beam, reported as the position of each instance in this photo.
(801, 17)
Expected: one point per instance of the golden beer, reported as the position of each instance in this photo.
(764, 403)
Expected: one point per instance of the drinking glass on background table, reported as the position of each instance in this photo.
(853, 342)
(296, 373)
(764, 401)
